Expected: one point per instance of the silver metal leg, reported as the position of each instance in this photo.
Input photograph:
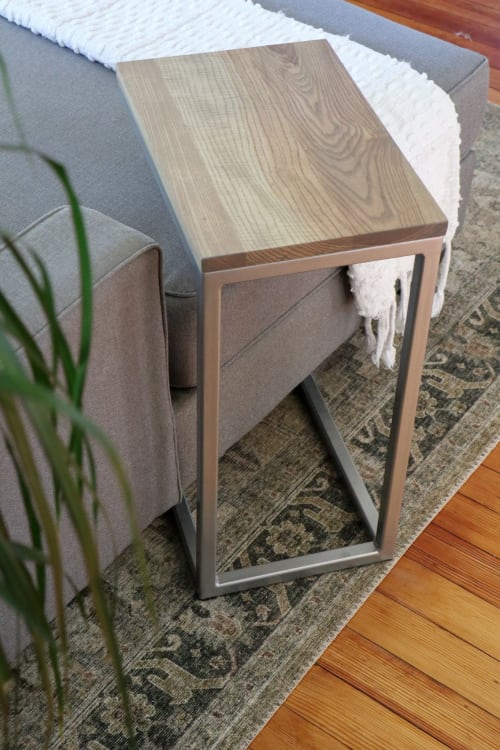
(383, 525)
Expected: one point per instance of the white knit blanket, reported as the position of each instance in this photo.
(420, 117)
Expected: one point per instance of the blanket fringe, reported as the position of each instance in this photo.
(392, 321)
(444, 267)
(381, 347)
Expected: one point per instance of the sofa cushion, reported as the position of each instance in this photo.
(126, 392)
(127, 389)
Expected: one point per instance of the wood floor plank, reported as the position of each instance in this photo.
(493, 460)
(457, 16)
(440, 712)
(495, 78)
(488, 4)
(473, 522)
(491, 51)
(354, 718)
(456, 19)
(450, 606)
(429, 648)
(289, 731)
(483, 486)
(458, 561)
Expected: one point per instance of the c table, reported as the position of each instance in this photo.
(273, 163)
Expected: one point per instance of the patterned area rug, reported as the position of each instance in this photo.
(213, 672)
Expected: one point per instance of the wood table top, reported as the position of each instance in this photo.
(272, 153)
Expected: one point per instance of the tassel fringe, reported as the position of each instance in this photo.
(380, 345)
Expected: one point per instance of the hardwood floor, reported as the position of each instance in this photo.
(418, 667)
(469, 23)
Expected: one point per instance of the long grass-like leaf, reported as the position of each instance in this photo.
(43, 670)
(18, 590)
(25, 388)
(60, 346)
(61, 353)
(32, 517)
(13, 325)
(83, 527)
(33, 391)
(45, 300)
(77, 386)
(85, 267)
(28, 554)
(24, 455)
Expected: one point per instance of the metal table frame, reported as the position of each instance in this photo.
(201, 540)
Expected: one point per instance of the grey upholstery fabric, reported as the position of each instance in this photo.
(72, 108)
(262, 373)
(127, 391)
(248, 311)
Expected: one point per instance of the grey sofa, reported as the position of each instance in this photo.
(72, 108)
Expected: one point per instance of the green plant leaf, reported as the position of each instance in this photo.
(34, 524)
(21, 446)
(44, 295)
(60, 346)
(22, 552)
(13, 325)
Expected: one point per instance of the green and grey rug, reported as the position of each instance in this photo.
(213, 672)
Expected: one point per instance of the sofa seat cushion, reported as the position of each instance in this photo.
(249, 310)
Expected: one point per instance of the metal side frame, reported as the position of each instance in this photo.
(200, 540)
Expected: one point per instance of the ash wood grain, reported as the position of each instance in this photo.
(272, 153)
(410, 693)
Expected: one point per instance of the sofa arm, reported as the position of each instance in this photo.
(127, 392)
